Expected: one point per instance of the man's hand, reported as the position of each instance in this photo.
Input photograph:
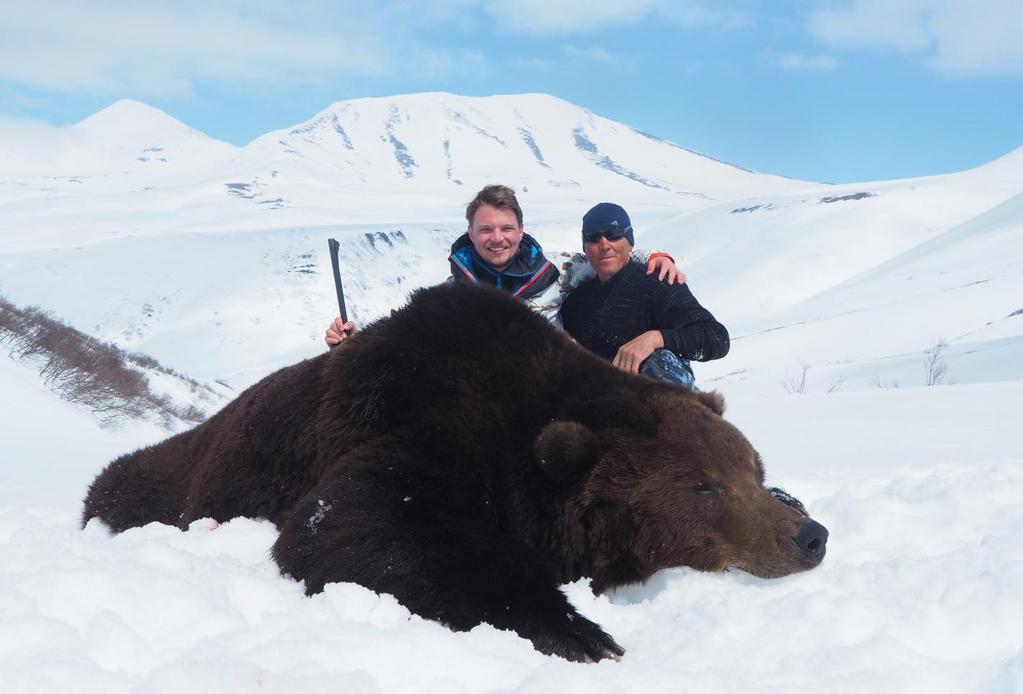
(635, 351)
(338, 331)
(666, 269)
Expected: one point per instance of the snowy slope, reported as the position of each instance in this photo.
(963, 288)
(39, 468)
(795, 246)
(225, 306)
(919, 486)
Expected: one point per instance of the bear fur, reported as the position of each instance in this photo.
(468, 458)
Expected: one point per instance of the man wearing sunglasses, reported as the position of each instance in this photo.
(639, 324)
(495, 250)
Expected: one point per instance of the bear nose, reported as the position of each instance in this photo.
(812, 540)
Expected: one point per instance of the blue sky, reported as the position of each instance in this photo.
(829, 90)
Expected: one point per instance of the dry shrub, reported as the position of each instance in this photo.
(83, 370)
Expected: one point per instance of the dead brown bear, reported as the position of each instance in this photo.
(468, 458)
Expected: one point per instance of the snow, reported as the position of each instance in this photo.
(919, 589)
(919, 486)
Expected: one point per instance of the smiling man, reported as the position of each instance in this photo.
(639, 324)
(496, 250)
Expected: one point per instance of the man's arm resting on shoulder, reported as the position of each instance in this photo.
(577, 270)
(664, 265)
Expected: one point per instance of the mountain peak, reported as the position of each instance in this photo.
(431, 98)
(130, 115)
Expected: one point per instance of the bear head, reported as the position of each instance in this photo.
(668, 482)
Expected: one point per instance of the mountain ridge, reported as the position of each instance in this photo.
(131, 168)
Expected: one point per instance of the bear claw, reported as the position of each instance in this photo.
(581, 641)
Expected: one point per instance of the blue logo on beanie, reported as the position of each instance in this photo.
(607, 216)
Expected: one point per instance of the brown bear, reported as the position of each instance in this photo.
(469, 458)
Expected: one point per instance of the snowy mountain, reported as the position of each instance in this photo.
(128, 138)
(124, 169)
(133, 138)
(533, 141)
(836, 296)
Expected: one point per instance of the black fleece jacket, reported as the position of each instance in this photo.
(603, 317)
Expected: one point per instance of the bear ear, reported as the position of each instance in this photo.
(713, 400)
(565, 450)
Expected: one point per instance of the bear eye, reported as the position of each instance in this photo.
(705, 488)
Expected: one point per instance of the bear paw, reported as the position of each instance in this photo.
(578, 639)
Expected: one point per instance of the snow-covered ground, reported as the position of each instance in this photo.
(921, 487)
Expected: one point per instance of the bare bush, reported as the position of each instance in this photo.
(81, 369)
(836, 383)
(795, 384)
(192, 414)
(143, 360)
(878, 383)
(148, 362)
(935, 366)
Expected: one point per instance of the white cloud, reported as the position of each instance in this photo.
(433, 63)
(29, 146)
(14, 100)
(897, 24)
(708, 15)
(971, 40)
(594, 55)
(574, 16)
(981, 37)
(568, 16)
(17, 128)
(798, 62)
(534, 63)
(166, 49)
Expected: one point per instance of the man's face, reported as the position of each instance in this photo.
(607, 257)
(495, 234)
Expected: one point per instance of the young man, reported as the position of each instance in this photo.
(496, 250)
(639, 324)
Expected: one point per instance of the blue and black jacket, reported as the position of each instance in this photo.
(529, 274)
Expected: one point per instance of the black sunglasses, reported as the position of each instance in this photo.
(612, 234)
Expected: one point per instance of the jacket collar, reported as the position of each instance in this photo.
(528, 274)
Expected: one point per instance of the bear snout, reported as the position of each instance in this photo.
(812, 541)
